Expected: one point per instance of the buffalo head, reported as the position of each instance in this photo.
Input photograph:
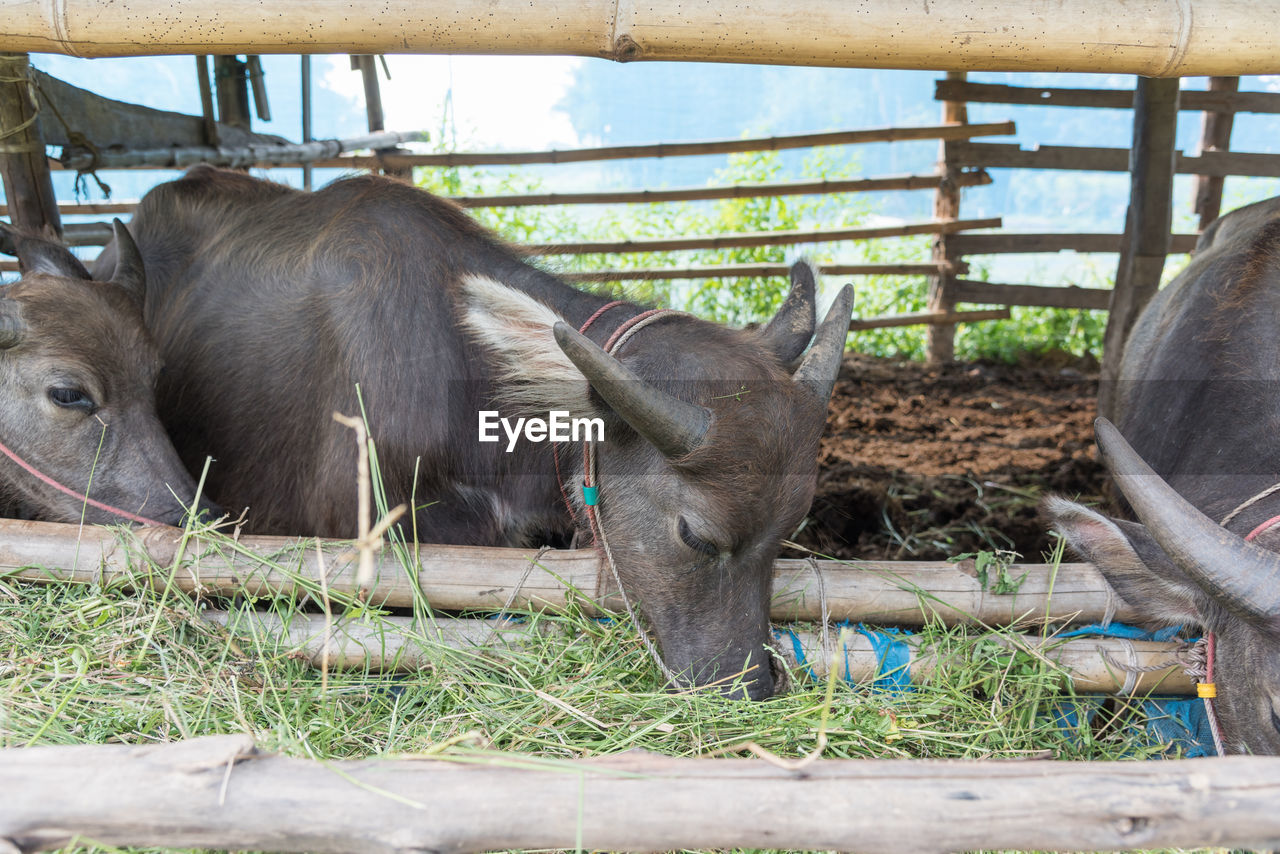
(77, 390)
(709, 459)
(1179, 567)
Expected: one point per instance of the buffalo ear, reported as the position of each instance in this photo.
(1133, 563)
(517, 330)
(12, 327)
(40, 254)
(129, 271)
(790, 330)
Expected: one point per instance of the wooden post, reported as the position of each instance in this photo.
(946, 206)
(367, 65)
(24, 168)
(1146, 233)
(232, 82)
(1215, 135)
(206, 101)
(306, 116)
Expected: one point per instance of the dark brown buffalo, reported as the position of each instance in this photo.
(274, 308)
(77, 385)
(1199, 400)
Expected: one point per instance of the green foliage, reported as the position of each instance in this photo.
(739, 301)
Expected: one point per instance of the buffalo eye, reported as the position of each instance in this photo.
(693, 541)
(69, 397)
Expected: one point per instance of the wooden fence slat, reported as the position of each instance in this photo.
(737, 271)
(471, 578)
(999, 155)
(968, 290)
(738, 191)
(1013, 243)
(932, 318)
(220, 792)
(1215, 135)
(1092, 665)
(1212, 100)
(756, 238)
(673, 149)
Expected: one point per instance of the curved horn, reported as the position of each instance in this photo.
(822, 363)
(12, 327)
(788, 333)
(670, 424)
(129, 273)
(1243, 577)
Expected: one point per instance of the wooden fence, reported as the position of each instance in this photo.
(1153, 161)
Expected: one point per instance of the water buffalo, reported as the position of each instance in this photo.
(77, 392)
(1197, 400)
(274, 308)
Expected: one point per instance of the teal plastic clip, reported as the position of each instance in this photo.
(590, 495)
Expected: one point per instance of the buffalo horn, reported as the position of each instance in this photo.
(130, 273)
(822, 363)
(1241, 576)
(788, 333)
(12, 326)
(673, 426)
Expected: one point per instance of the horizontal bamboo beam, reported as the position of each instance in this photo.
(88, 208)
(260, 156)
(1092, 665)
(989, 293)
(1006, 243)
(737, 271)
(221, 792)
(999, 155)
(737, 191)
(1189, 99)
(678, 149)
(929, 318)
(1166, 38)
(757, 238)
(462, 578)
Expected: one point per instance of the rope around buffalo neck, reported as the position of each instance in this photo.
(30, 469)
(591, 486)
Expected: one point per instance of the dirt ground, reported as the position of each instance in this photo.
(925, 462)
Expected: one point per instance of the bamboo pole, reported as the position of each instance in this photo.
(1163, 38)
(989, 293)
(242, 157)
(688, 149)
(1092, 665)
(221, 792)
(1002, 155)
(932, 318)
(461, 578)
(995, 244)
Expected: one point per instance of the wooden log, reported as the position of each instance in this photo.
(24, 169)
(990, 293)
(458, 578)
(940, 338)
(231, 87)
(997, 244)
(250, 156)
(947, 318)
(400, 644)
(756, 238)
(679, 149)
(737, 191)
(997, 155)
(1216, 100)
(220, 792)
(1215, 135)
(737, 271)
(1150, 215)
(1169, 39)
